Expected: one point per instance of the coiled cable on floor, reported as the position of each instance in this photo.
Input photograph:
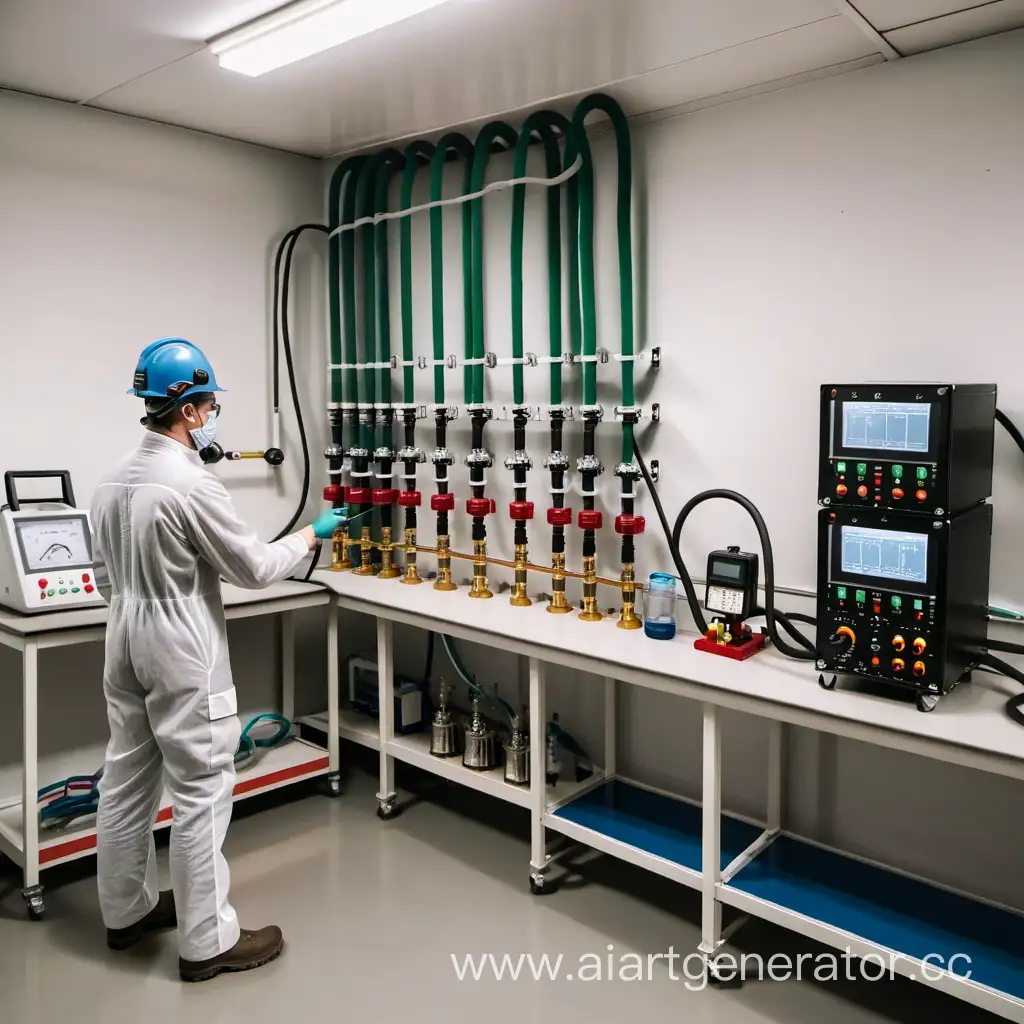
(251, 747)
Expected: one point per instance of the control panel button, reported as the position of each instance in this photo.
(42, 596)
(876, 661)
(899, 643)
(841, 490)
(897, 601)
(50, 592)
(920, 668)
(862, 596)
(921, 495)
(862, 469)
(841, 593)
(63, 590)
(922, 472)
(86, 578)
(920, 645)
(897, 494)
(43, 584)
(898, 664)
(75, 590)
(918, 604)
(877, 607)
(897, 472)
(840, 467)
(862, 491)
(89, 588)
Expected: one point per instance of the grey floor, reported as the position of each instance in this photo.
(372, 912)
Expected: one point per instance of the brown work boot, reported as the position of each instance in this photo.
(253, 949)
(161, 917)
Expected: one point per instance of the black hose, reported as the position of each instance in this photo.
(1011, 428)
(1005, 646)
(1015, 705)
(806, 651)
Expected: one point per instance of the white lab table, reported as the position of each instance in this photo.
(757, 867)
(20, 836)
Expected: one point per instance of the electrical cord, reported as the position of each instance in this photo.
(496, 702)
(1011, 428)
(806, 651)
(1015, 705)
(252, 748)
(1004, 646)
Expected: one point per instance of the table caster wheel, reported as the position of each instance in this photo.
(927, 702)
(537, 883)
(386, 809)
(724, 976)
(827, 684)
(333, 784)
(34, 902)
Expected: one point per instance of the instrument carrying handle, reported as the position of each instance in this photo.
(64, 475)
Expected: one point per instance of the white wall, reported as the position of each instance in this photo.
(117, 232)
(864, 227)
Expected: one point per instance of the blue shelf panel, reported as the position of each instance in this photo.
(905, 915)
(656, 824)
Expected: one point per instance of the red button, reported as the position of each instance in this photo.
(878, 608)
(86, 577)
(43, 584)
(42, 596)
(897, 493)
(862, 491)
(89, 588)
(876, 661)
(841, 490)
(922, 495)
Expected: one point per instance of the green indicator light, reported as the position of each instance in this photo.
(75, 590)
(841, 593)
(897, 472)
(862, 469)
(50, 593)
(919, 605)
(861, 596)
(63, 590)
(897, 602)
(840, 467)
(922, 473)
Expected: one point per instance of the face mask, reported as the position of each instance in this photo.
(205, 435)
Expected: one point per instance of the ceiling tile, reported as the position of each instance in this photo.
(1001, 16)
(887, 14)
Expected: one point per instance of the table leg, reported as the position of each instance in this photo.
(288, 665)
(386, 699)
(610, 727)
(711, 858)
(776, 775)
(538, 773)
(33, 891)
(333, 725)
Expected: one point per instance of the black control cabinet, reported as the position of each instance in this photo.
(903, 597)
(914, 447)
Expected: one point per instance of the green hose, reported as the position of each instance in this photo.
(624, 217)
(543, 123)
(416, 154)
(489, 134)
(462, 147)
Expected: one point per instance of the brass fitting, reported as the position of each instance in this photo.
(340, 562)
(388, 569)
(559, 605)
(590, 611)
(628, 618)
(519, 598)
(411, 577)
(479, 588)
(444, 565)
(366, 568)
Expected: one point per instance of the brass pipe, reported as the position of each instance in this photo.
(388, 569)
(480, 589)
(520, 598)
(366, 546)
(628, 618)
(590, 611)
(444, 564)
(558, 604)
(340, 562)
(412, 576)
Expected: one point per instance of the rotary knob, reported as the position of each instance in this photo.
(920, 645)
(919, 669)
(898, 664)
(844, 635)
(899, 643)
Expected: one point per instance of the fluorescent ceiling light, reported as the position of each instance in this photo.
(310, 26)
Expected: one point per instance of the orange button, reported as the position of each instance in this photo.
(841, 490)
(862, 491)
(922, 495)
(897, 493)
(876, 661)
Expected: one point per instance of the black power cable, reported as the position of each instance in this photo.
(1015, 705)
(806, 651)
(1011, 428)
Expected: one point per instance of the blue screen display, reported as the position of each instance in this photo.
(888, 554)
(887, 426)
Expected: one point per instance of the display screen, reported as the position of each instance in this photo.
(888, 554)
(54, 543)
(887, 426)
(727, 570)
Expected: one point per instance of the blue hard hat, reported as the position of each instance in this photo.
(172, 368)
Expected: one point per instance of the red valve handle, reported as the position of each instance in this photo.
(560, 516)
(629, 525)
(410, 499)
(520, 510)
(590, 519)
(385, 496)
(359, 496)
(442, 502)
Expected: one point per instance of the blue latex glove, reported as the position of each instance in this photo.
(329, 521)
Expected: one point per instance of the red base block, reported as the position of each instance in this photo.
(737, 651)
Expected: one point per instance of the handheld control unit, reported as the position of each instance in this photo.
(914, 447)
(46, 561)
(903, 597)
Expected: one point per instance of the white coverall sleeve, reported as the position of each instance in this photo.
(230, 546)
(99, 570)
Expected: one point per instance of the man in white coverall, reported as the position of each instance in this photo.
(165, 532)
